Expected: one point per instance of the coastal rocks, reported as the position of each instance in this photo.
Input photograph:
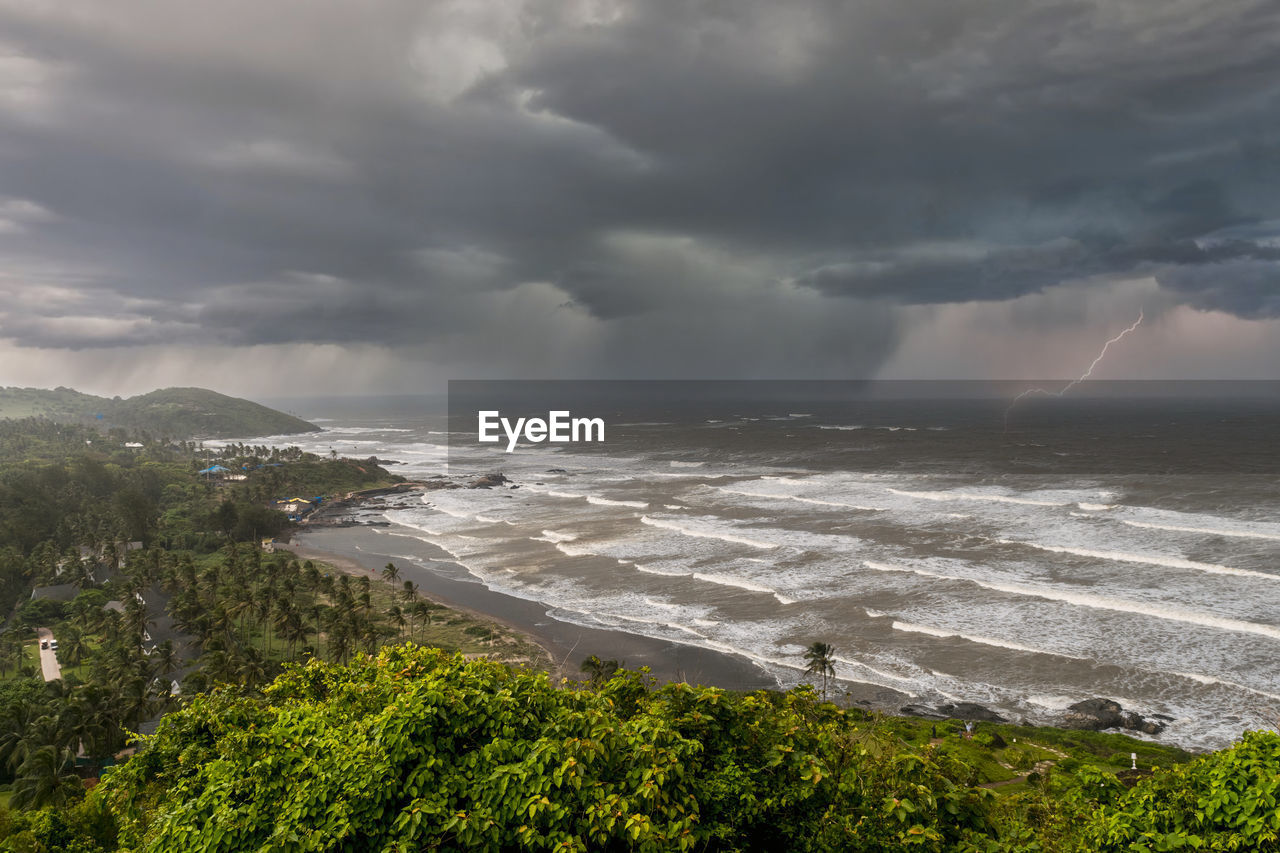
(971, 711)
(488, 481)
(1098, 714)
(957, 711)
(921, 711)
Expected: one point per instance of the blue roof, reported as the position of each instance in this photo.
(215, 469)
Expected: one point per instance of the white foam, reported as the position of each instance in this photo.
(974, 496)
(901, 679)
(649, 570)
(984, 641)
(1207, 531)
(706, 534)
(742, 583)
(1098, 602)
(799, 499)
(574, 550)
(1211, 680)
(1095, 507)
(675, 464)
(1053, 703)
(1146, 559)
(599, 501)
(555, 536)
(572, 496)
(452, 513)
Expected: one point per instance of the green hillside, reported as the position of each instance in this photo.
(172, 412)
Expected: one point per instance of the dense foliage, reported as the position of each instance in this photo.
(1227, 801)
(419, 750)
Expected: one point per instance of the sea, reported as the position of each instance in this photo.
(950, 543)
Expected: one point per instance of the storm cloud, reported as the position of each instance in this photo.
(646, 188)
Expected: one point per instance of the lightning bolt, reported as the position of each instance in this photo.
(1074, 382)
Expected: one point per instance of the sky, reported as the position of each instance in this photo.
(309, 196)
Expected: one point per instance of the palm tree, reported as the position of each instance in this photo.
(409, 591)
(819, 657)
(396, 616)
(73, 646)
(10, 652)
(45, 779)
(422, 612)
(390, 572)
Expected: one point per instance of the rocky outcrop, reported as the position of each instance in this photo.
(921, 711)
(1098, 714)
(488, 481)
(971, 711)
(957, 711)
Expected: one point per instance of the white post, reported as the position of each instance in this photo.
(1133, 756)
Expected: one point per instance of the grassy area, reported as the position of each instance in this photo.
(31, 655)
(1000, 752)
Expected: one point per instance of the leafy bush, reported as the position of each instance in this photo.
(422, 750)
(1229, 800)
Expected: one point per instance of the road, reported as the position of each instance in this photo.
(48, 658)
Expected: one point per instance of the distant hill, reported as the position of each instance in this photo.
(171, 412)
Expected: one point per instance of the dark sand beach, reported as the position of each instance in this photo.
(359, 550)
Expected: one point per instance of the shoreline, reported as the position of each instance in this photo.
(362, 547)
(335, 536)
(351, 549)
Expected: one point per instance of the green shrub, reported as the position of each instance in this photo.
(1229, 800)
(421, 750)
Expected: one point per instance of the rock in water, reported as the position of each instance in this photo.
(1099, 714)
(488, 481)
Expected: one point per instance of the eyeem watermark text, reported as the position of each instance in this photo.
(559, 428)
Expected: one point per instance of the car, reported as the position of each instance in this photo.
(44, 644)
(53, 644)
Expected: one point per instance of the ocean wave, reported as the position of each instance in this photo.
(1097, 602)
(983, 641)
(1207, 531)
(452, 513)
(742, 583)
(575, 550)
(676, 464)
(901, 679)
(698, 533)
(1145, 559)
(650, 570)
(799, 499)
(599, 501)
(974, 496)
(554, 536)
(643, 621)
(1222, 682)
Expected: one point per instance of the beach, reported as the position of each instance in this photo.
(358, 549)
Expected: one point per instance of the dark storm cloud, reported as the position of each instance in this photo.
(400, 172)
